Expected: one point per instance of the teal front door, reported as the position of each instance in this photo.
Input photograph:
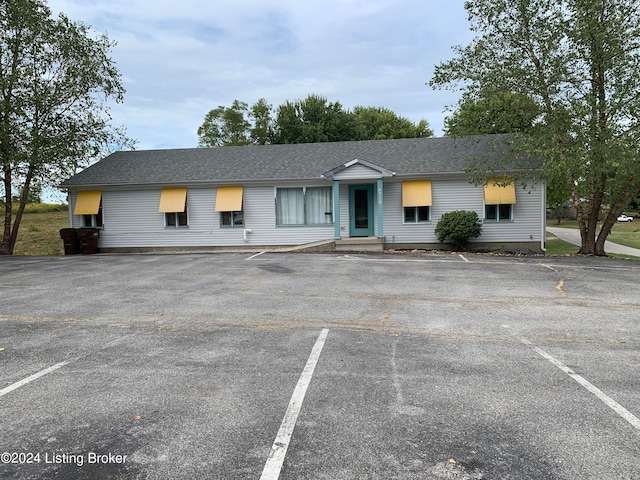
(360, 210)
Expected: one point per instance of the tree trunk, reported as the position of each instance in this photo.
(4, 239)
(11, 231)
(608, 224)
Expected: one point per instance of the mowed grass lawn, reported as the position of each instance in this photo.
(627, 234)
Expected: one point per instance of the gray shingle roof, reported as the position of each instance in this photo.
(409, 156)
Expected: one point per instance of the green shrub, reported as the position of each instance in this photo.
(458, 227)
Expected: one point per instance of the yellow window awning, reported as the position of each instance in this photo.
(173, 200)
(499, 191)
(229, 199)
(88, 202)
(416, 193)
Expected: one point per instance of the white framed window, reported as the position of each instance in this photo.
(499, 198)
(176, 219)
(93, 220)
(232, 219)
(498, 212)
(89, 208)
(417, 214)
(173, 203)
(304, 206)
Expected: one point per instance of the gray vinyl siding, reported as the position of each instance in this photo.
(527, 224)
(131, 219)
(357, 172)
(458, 194)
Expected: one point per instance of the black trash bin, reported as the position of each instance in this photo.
(88, 239)
(70, 240)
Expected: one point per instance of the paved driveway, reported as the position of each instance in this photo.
(319, 366)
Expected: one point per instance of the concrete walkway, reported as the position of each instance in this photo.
(572, 235)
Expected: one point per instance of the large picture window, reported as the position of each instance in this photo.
(304, 206)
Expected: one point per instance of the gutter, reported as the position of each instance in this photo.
(544, 216)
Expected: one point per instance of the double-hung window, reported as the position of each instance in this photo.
(498, 212)
(173, 203)
(304, 206)
(229, 204)
(499, 198)
(89, 207)
(416, 214)
(416, 201)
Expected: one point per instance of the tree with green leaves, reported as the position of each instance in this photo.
(313, 119)
(379, 123)
(237, 125)
(492, 113)
(55, 80)
(580, 61)
(261, 130)
(226, 126)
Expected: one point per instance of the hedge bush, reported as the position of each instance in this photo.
(459, 227)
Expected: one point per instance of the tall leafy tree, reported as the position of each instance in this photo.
(580, 61)
(492, 113)
(225, 126)
(313, 119)
(262, 127)
(379, 123)
(237, 125)
(56, 78)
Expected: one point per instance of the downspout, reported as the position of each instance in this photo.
(544, 216)
(69, 210)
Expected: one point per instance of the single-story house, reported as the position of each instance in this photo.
(387, 193)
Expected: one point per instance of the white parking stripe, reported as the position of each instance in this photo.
(35, 376)
(606, 399)
(55, 367)
(274, 463)
(254, 256)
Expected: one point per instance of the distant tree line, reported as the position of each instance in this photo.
(313, 119)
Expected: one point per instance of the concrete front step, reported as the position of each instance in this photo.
(360, 244)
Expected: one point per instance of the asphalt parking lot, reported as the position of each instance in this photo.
(319, 366)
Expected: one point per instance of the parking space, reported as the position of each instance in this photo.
(184, 366)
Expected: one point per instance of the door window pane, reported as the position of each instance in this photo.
(361, 208)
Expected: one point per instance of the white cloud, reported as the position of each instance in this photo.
(181, 59)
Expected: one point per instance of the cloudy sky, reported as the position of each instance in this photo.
(181, 58)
